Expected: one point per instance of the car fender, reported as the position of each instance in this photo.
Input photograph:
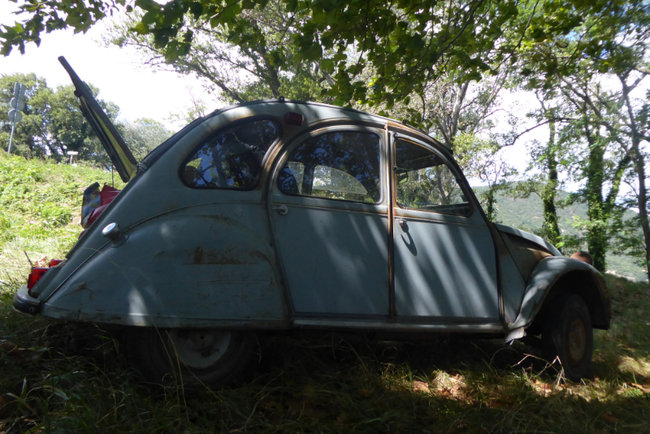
(559, 274)
(193, 270)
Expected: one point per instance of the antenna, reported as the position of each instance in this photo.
(30, 261)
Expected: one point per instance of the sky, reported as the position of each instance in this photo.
(118, 73)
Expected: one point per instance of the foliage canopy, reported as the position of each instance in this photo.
(407, 38)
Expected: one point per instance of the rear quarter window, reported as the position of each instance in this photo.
(232, 157)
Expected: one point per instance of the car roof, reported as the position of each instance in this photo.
(315, 112)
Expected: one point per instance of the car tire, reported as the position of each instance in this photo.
(568, 337)
(192, 357)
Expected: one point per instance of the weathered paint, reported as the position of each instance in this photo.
(530, 237)
(445, 267)
(511, 284)
(519, 254)
(223, 258)
(334, 254)
(335, 261)
(194, 268)
(547, 274)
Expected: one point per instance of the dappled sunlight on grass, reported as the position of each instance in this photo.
(66, 376)
(638, 367)
(452, 386)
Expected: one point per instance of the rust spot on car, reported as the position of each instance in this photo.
(261, 256)
(198, 255)
(224, 219)
(231, 256)
(83, 286)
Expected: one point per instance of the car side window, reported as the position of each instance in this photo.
(231, 158)
(342, 165)
(425, 182)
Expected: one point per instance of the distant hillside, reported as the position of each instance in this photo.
(526, 214)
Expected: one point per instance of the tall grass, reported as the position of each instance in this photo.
(63, 377)
(40, 208)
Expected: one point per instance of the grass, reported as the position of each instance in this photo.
(70, 378)
(40, 208)
(63, 377)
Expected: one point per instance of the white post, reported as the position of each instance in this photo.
(72, 154)
(11, 137)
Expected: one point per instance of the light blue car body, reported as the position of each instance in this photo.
(170, 255)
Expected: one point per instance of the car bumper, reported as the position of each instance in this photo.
(24, 302)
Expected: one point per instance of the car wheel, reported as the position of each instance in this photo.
(192, 357)
(568, 336)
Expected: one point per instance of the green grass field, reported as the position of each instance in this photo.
(62, 377)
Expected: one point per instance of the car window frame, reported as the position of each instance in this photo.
(263, 160)
(466, 210)
(295, 142)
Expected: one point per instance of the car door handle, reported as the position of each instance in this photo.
(281, 209)
(403, 224)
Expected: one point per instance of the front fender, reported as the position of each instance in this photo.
(191, 271)
(557, 274)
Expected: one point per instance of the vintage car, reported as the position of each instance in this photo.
(279, 215)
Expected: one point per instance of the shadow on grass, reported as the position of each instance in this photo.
(334, 385)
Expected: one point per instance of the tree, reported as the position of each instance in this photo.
(53, 123)
(342, 38)
(28, 132)
(580, 53)
(459, 112)
(552, 158)
(623, 119)
(143, 135)
(549, 159)
(602, 166)
(265, 67)
(637, 127)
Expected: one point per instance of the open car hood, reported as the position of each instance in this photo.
(120, 155)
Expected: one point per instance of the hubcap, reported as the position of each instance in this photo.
(199, 349)
(576, 340)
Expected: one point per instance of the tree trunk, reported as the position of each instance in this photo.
(639, 168)
(597, 230)
(550, 227)
(643, 208)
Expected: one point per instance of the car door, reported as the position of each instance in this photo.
(444, 256)
(329, 215)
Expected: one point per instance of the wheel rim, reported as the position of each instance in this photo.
(200, 349)
(576, 340)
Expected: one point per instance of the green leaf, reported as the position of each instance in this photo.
(149, 17)
(141, 28)
(327, 65)
(196, 9)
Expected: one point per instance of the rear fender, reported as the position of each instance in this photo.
(190, 271)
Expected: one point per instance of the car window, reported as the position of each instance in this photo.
(425, 182)
(231, 158)
(342, 165)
